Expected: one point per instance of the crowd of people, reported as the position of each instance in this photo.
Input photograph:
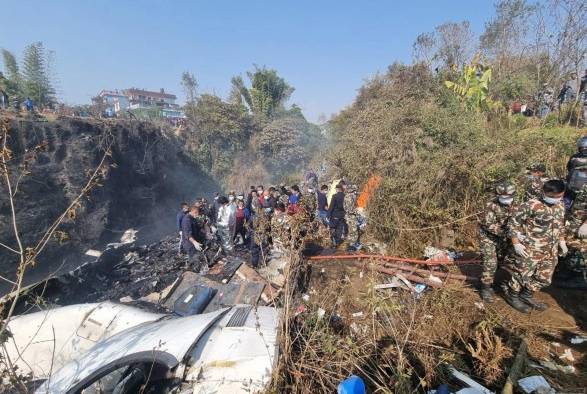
(528, 234)
(261, 220)
(532, 238)
(546, 100)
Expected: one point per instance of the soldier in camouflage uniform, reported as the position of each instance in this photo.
(309, 203)
(350, 207)
(572, 269)
(537, 228)
(578, 159)
(576, 178)
(536, 179)
(494, 236)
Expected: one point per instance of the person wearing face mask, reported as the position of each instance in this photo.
(537, 228)
(571, 272)
(536, 179)
(494, 236)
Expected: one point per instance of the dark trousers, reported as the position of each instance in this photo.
(258, 252)
(240, 229)
(338, 229)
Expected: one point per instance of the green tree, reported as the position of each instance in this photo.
(37, 84)
(190, 86)
(12, 74)
(266, 96)
(219, 131)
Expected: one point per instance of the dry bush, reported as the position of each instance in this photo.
(488, 352)
(438, 161)
(401, 343)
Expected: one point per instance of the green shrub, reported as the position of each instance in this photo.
(439, 162)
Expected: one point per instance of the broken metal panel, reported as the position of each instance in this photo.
(236, 359)
(165, 341)
(110, 318)
(239, 317)
(236, 293)
(47, 340)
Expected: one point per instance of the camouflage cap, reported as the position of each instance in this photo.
(505, 188)
(539, 167)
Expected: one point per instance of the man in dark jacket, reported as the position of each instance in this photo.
(336, 216)
(184, 208)
(323, 204)
(190, 232)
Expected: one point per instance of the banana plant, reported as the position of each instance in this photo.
(473, 86)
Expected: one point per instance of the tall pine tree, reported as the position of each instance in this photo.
(12, 74)
(37, 84)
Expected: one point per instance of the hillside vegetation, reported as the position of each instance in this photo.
(441, 131)
(439, 161)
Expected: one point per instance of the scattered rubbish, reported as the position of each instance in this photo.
(480, 306)
(468, 381)
(352, 385)
(93, 253)
(126, 299)
(434, 254)
(567, 355)
(405, 281)
(577, 340)
(469, 390)
(386, 286)
(556, 367)
(300, 309)
(248, 274)
(361, 274)
(129, 236)
(555, 344)
(153, 298)
(535, 384)
(434, 278)
(320, 313)
(306, 297)
(357, 314)
(419, 288)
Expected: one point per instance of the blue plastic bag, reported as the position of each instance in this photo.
(352, 385)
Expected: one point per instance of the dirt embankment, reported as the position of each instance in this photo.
(149, 173)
